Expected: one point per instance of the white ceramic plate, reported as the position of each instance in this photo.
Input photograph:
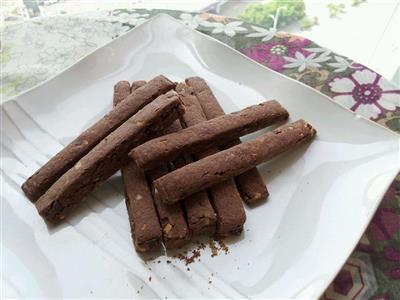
(322, 196)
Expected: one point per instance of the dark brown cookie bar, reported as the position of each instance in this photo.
(143, 219)
(36, 185)
(199, 213)
(250, 184)
(122, 89)
(172, 218)
(231, 162)
(107, 157)
(227, 203)
(208, 134)
(225, 197)
(137, 84)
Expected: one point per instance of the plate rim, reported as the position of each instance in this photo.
(167, 16)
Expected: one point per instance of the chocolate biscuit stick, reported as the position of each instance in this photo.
(36, 185)
(200, 214)
(231, 162)
(172, 218)
(122, 89)
(137, 84)
(143, 218)
(107, 157)
(225, 196)
(208, 134)
(250, 184)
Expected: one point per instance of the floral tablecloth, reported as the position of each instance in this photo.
(36, 50)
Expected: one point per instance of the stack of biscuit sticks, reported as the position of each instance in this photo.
(185, 170)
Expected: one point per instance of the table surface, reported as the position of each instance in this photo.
(37, 50)
(374, 24)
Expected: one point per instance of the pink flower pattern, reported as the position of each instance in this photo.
(366, 93)
(272, 54)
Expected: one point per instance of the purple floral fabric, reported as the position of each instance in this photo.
(273, 54)
(348, 83)
(373, 270)
(365, 92)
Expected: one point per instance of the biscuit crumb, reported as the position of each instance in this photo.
(167, 228)
(213, 247)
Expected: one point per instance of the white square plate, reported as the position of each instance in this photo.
(322, 195)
